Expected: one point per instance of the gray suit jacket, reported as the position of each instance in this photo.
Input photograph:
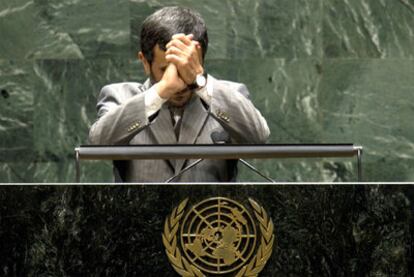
(122, 121)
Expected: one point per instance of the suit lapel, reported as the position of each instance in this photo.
(147, 85)
(191, 126)
(163, 131)
(162, 128)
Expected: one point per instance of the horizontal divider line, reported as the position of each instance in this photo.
(267, 151)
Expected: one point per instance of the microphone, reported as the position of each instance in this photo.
(220, 137)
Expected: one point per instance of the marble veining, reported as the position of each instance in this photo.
(332, 71)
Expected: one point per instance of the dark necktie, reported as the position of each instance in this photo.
(176, 116)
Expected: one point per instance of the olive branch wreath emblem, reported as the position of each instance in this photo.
(184, 268)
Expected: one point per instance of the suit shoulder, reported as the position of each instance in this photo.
(121, 91)
(233, 86)
(124, 87)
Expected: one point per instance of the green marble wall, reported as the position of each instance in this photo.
(328, 71)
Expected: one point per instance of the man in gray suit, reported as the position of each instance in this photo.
(178, 104)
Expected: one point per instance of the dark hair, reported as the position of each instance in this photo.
(159, 27)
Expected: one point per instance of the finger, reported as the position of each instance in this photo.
(176, 51)
(183, 38)
(184, 47)
(171, 68)
(181, 63)
(175, 59)
(196, 44)
(178, 44)
(180, 35)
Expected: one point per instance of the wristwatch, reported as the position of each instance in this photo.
(200, 81)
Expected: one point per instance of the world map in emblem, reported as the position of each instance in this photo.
(218, 235)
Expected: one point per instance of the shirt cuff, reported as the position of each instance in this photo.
(153, 101)
(206, 93)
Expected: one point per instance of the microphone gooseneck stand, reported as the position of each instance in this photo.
(220, 138)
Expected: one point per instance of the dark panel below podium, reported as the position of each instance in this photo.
(116, 230)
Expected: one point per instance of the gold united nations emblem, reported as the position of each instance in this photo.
(218, 236)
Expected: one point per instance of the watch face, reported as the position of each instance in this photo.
(201, 80)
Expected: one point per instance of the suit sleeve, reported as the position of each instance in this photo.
(231, 107)
(120, 116)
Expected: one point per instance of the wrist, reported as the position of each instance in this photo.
(163, 90)
(200, 71)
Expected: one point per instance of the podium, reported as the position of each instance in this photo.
(117, 230)
(206, 229)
